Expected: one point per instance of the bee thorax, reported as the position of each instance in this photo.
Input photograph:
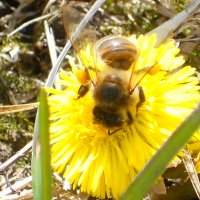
(111, 92)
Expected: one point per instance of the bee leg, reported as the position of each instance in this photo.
(141, 97)
(111, 132)
(130, 117)
(82, 91)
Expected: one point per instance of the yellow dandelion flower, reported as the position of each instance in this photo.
(103, 164)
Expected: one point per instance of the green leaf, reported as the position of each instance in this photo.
(41, 160)
(159, 162)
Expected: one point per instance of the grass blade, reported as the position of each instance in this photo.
(41, 167)
(164, 30)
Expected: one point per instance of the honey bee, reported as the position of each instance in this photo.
(113, 88)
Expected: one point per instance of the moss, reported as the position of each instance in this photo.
(131, 16)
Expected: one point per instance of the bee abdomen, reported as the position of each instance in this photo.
(117, 52)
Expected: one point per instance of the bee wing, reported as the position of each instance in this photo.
(84, 44)
(137, 75)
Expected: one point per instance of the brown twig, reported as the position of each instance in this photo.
(189, 165)
(17, 108)
(16, 157)
(17, 186)
(4, 174)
